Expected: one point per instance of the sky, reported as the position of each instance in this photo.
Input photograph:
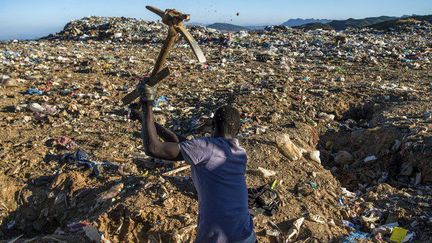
(25, 19)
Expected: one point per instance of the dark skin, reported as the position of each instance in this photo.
(168, 149)
(168, 135)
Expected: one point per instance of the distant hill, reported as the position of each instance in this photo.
(299, 22)
(194, 24)
(359, 23)
(227, 27)
(256, 27)
(402, 22)
(314, 26)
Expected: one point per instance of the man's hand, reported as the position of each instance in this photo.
(149, 93)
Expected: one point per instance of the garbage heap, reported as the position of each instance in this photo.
(338, 123)
(120, 29)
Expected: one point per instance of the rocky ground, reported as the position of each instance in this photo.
(362, 98)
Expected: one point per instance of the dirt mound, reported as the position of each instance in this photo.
(381, 155)
(152, 207)
(404, 136)
(9, 194)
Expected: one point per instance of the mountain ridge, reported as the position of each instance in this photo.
(380, 23)
(227, 27)
(300, 21)
(359, 23)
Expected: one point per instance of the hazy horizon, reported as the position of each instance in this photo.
(29, 19)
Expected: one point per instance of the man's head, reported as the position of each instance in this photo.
(226, 121)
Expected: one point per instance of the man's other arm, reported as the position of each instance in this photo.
(168, 135)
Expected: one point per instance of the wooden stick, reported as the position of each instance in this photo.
(160, 61)
(168, 44)
(175, 171)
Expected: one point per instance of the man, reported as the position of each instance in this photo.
(218, 167)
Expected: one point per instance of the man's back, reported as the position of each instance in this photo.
(218, 173)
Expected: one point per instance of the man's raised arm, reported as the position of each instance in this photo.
(152, 145)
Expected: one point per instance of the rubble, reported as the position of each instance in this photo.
(343, 157)
(305, 97)
(265, 173)
(288, 148)
(315, 156)
(295, 230)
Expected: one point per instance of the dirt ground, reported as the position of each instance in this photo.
(380, 109)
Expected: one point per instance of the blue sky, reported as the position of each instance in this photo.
(35, 18)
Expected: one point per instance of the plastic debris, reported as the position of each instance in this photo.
(409, 237)
(316, 218)
(315, 156)
(371, 215)
(370, 158)
(73, 227)
(350, 224)
(356, 236)
(161, 100)
(288, 148)
(347, 193)
(81, 157)
(294, 231)
(35, 107)
(34, 91)
(92, 233)
(313, 184)
(111, 193)
(266, 173)
(263, 200)
(42, 110)
(398, 234)
(66, 142)
(326, 117)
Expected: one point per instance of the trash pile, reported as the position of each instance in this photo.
(337, 125)
(126, 30)
(109, 28)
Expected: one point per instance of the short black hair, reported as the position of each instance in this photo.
(227, 120)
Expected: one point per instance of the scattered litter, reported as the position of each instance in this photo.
(263, 200)
(355, 236)
(315, 156)
(288, 148)
(370, 158)
(81, 157)
(313, 184)
(42, 110)
(266, 173)
(316, 218)
(398, 235)
(113, 192)
(34, 91)
(350, 94)
(35, 107)
(294, 231)
(347, 193)
(66, 142)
